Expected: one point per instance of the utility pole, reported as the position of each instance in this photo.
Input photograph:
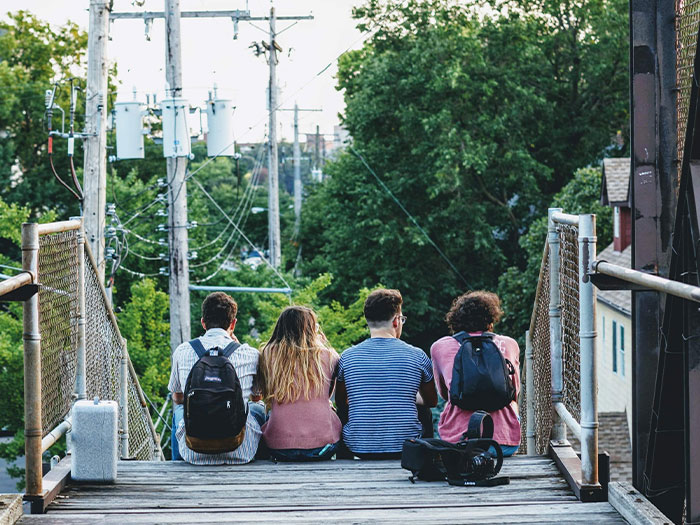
(297, 169)
(297, 173)
(179, 276)
(318, 148)
(273, 203)
(95, 144)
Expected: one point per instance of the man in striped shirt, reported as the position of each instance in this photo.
(218, 320)
(380, 381)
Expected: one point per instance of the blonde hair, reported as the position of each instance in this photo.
(291, 363)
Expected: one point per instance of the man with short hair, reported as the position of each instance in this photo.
(380, 381)
(218, 320)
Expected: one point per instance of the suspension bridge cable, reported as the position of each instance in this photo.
(408, 214)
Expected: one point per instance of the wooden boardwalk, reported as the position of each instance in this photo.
(330, 492)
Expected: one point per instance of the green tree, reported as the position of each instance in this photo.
(33, 56)
(460, 114)
(143, 322)
(517, 285)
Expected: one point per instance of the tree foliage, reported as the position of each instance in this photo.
(517, 286)
(473, 121)
(33, 56)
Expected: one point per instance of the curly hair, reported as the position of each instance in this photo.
(474, 312)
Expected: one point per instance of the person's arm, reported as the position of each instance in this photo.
(174, 385)
(427, 394)
(341, 401)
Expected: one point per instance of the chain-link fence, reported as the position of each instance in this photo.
(541, 397)
(687, 24)
(58, 324)
(103, 350)
(59, 316)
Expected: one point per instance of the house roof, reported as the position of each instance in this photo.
(616, 182)
(620, 300)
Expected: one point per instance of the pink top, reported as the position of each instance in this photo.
(305, 423)
(453, 420)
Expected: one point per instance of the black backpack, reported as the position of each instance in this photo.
(215, 413)
(467, 463)
(482, 379)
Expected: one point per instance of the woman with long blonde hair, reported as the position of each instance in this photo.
(296, 371)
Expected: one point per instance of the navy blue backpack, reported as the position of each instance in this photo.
(482, 378)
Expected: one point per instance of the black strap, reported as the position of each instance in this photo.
(461, 336)
(478, 420)
(198, 347)
(230, 349)
(491, 482)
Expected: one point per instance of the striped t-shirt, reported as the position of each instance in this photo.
(382, 377)
(245, 362)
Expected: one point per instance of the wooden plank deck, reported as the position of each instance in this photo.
(330, 492)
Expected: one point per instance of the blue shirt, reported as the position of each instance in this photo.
(382, 377)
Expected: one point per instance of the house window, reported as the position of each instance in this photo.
(614, 346)
(622, 351)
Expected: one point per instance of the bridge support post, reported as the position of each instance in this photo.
(587, 337)
(80, 374)
(559, 428)
(32, 366)
(124, 401)
(530, 396)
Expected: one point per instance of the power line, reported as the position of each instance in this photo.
(408, 214)
(203, 190)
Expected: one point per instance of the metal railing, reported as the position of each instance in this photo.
(560, 356)
(73, 348)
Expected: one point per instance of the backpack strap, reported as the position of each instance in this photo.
(230, 349)
(480, 426)
(198, 347)
(462, 336)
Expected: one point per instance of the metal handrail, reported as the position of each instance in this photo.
(564, 218)
(653, 282)
(15, 282)
(587, 429)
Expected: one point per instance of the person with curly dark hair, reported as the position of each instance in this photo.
(475, 313)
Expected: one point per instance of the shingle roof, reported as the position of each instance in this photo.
(619, 299)
(616, 182)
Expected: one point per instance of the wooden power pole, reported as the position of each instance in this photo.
(95, 148)
(179, 276)
(273, 202)
(298, 187)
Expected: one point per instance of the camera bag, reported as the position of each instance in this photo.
(468, 463)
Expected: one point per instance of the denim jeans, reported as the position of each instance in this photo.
(508, 450)
(257, 410)
(178, 415)
(304, 454)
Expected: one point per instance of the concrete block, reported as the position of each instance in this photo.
(95, 441)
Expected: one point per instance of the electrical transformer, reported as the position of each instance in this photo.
(220, 124)
(176, 132)
(129, 124)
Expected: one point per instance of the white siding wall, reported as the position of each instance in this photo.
(614, 388)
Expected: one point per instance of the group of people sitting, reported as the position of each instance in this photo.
(306, 402)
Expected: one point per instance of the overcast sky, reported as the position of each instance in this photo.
(210, 55)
